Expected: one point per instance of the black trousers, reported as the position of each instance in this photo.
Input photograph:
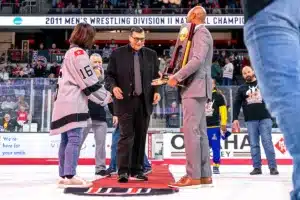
(133, 131)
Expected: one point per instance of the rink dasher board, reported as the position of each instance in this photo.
(160, 145)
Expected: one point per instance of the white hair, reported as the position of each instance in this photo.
(96, 55)
(101, 78)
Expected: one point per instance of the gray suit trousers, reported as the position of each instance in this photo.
(195, 138)
(100, 130)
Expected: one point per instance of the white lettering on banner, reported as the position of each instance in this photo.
(10, 146)
(116, 21)
(42, 145)
(236, 146)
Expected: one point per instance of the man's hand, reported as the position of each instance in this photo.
(115, 120)
(156, 98)
(160, 74)
(235, 125)
(223, 128)
(118, 93)
(98, 72)
(172, 81)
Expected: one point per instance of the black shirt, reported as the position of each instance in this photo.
(97, 112)
(251, 7)
(212, 109)
(249, 98)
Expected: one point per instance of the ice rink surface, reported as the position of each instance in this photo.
(234, 183)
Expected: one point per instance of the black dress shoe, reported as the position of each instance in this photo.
(123, 178)
(274, 171)
(256, 171)
(139, 177)
(102, 174)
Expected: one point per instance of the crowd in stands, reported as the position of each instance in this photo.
(144, 6)
(126, 6)
(14, 106)
(45, 62)
(17, 66)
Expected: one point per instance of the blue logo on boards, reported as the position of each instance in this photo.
(18, 20)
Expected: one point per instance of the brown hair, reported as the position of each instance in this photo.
(83, 35)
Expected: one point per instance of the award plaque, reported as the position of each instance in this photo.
(180, 54)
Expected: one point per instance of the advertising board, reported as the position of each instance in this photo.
(116, 21)
(161, 147)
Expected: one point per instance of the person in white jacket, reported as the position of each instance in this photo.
(77, 84)
(228, 72)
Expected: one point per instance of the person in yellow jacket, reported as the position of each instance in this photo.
(216, 119)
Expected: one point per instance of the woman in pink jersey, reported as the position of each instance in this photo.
(77, 84)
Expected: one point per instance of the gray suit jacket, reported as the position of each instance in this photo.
(198, 66)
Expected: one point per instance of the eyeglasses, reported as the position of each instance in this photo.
(136, 39)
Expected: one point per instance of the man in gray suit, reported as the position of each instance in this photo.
(194, 97)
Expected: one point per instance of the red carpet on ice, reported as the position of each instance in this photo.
(156, 185)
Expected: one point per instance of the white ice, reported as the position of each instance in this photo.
(234, 183)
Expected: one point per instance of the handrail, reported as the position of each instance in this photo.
(50, 56)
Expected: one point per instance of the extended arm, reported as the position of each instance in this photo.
(88, 81)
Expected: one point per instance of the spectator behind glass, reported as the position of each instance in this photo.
(8, 104)
(228, 72)
(162, 64)
(39, 70)
(96, 49)
(4, 75)
(106, 51)
(138, 9)
(216, 71)
(14, 54)
(54, 49)
(53, 3)
(79, 8)
(54, 70)
(16, 70)
(147, 10)
(222, 58)
(60, 4)
(216, 8)
(113, 45)
(22, 74)
(22, 102)
(246, 61)
(8, 124)
(130, 10)
(28, 70)
(163, 10)
(43, 52)
(22, 116)
(172, 116)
